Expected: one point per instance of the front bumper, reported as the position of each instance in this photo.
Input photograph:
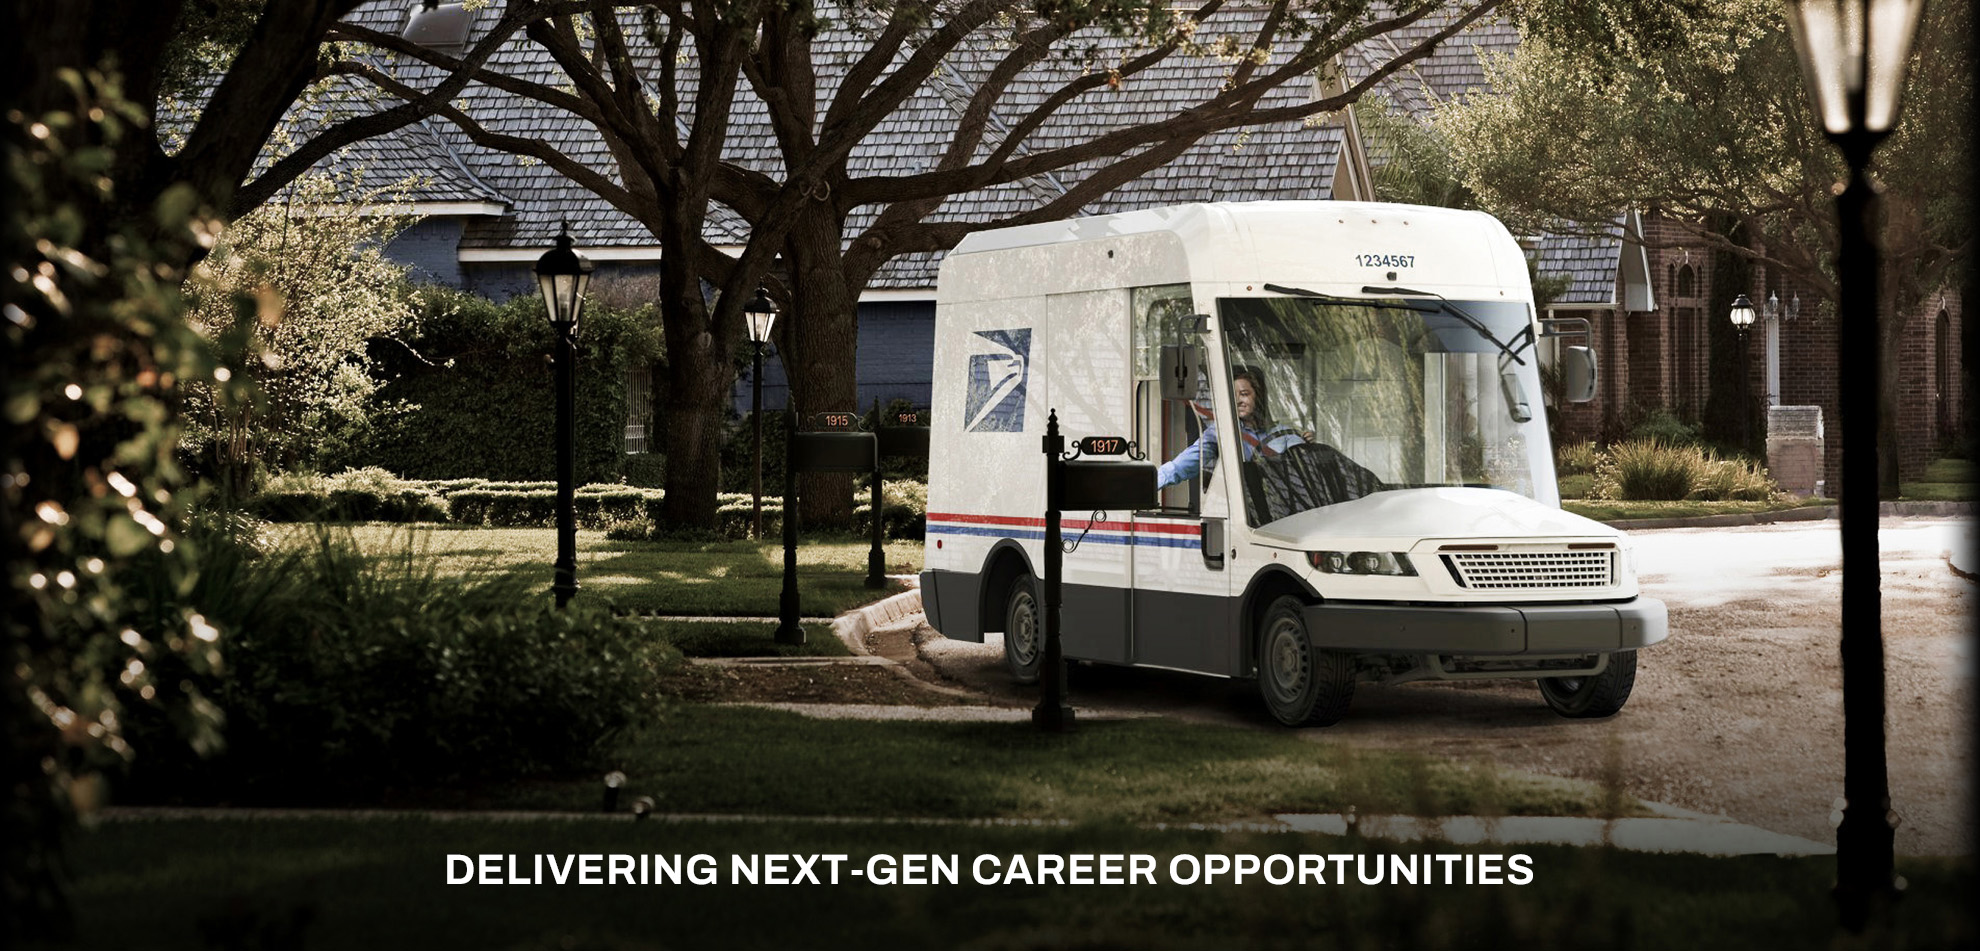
(1509, 630)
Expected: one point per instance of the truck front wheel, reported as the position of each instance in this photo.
(1023, 633)
(1302, 685)
(1586, 698)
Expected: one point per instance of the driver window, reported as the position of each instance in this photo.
(1165, 429)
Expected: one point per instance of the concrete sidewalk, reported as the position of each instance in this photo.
(1678, 832)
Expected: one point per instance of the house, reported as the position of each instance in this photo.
(1643, 285)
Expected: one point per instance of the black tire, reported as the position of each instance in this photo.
(1301, 684)
(1024, 630)
(1588, 698)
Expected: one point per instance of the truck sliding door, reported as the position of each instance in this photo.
(1181, 590)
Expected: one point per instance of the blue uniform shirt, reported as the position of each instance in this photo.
(1201, 456)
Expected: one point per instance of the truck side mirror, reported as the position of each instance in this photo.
(1578, 370)
(1179, 363)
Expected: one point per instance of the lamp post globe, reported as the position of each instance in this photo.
(1855, 55)
(563, 275)
(759, 315)
(1742, 314)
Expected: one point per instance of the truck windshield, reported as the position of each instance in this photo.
(1350, 398)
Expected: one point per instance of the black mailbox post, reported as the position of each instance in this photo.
(1071, 482)
(812, 452)
(908, 439)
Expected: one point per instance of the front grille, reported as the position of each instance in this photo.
(1501, 570)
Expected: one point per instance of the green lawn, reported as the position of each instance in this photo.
(1945, 480)
(702, 759)
(737, 578)
(380, 884)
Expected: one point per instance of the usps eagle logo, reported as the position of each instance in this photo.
(997, 374)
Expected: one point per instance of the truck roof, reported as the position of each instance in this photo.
(1332, 246)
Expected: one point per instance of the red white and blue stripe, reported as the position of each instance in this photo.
(1151, 533)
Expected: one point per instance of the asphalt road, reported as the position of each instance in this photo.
(1738, 714)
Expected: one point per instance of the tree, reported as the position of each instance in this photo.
(294, 292)
(101, 223)
(1708, 124)
(662, 88)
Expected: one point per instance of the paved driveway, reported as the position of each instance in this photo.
(1739, 713)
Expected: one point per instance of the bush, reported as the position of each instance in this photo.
(1647, 469)
(1577, 458)
(357, 495)
(1733, 479)
(527, 504)
(645, 470)
(346, 672)
(480, 376)
(1663, 426)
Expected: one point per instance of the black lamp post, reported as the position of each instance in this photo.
(788, 629)
(1742, 317)
(760, 313)
(1854, 55)
(563, 274)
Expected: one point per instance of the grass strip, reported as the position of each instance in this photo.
(380, 884)
(710, 759)
(1612, 511)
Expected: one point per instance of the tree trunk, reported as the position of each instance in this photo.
(824, 375)
(696, 401)
(1894, 305)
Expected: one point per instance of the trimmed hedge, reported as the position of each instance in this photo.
(479, 377)
(628, 512)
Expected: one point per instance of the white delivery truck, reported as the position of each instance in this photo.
(1347, 398)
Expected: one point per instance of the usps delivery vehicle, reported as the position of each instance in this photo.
(1347, 399)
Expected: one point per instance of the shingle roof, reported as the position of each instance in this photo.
(1588, 261)
(1288, 160)
(1451, 71)
(1283, 161)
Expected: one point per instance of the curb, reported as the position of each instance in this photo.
(1811, 513)
(853, 626)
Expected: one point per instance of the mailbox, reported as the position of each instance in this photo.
(1118, 486)
(909, 441)
(833, 452)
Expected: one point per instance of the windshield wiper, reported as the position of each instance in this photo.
(1333, 299)
(1458, 312)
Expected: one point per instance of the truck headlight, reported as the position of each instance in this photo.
(1361, 562)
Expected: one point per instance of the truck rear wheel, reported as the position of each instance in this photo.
(1301, 684)
(1024, 636)
(1587, 698)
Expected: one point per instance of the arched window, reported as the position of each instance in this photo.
(1686, 282)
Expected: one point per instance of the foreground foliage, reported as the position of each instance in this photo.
(349, 671)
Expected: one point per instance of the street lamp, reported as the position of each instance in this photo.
(563, 274)
(1742, 315)
(1854, 55)
(759, 313)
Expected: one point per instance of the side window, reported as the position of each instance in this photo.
(1165, 428)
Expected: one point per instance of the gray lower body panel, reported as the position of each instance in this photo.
(1524, 629)
(951, 599)
(1182, 631)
